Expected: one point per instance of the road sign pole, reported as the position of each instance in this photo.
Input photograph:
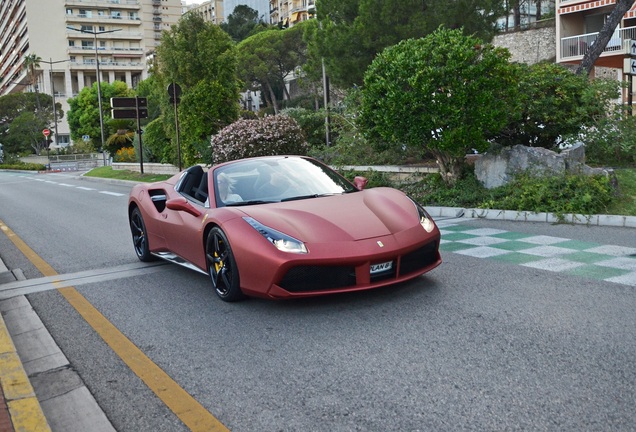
(176, 125)
(141, 149)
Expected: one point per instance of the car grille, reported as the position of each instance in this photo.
(312, 278)
(317, 278)
(418, 259)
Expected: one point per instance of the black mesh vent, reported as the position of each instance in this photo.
(418, 259)
(313, 278)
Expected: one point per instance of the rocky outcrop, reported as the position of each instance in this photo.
(494, 170)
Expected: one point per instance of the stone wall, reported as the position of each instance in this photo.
(529, 46)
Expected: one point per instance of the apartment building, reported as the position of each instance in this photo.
(578, 23)
(55, 30)
(290, 12)
(211, 10)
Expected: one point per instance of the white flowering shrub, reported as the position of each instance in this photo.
(271, 135)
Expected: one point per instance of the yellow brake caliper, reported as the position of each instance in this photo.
(218, 266)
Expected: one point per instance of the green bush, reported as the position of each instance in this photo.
(23, 166)
(271, 135)
(612, 141)
(311, 122)
(555, 194)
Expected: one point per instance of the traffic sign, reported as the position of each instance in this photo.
(46, 132)
(630, 47)
(129, 113)
(174, 90)
(86, 138)
(629, 66)
(128, 102)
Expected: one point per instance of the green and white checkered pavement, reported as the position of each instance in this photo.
(580, 258)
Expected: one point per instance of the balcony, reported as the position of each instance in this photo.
(577, 46)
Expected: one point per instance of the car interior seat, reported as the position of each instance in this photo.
(201, 192)
(192, 180)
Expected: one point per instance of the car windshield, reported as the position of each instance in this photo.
(267, 180)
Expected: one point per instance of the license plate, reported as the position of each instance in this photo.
(379, 268)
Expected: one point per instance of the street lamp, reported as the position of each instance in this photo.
(99, 87)
(51, 63)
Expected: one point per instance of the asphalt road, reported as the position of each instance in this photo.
(473, 345)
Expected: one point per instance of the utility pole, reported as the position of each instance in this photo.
(99, 79)
(51, 63)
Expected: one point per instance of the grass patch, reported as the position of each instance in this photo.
(109, 172)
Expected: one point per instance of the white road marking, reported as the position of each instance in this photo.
(84, 188)
(111, 193)
(48, 283)
(64, 184)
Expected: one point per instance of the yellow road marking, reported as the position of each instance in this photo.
(24, 408)
(26, 415)
(189, 411)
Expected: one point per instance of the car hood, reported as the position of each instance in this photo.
(355, 216)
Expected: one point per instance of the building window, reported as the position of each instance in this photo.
(72, 58)
(71, 43)
(87, 44)
(102, 28)
(132, 15)
(100, 13)
(102, 44)
(69, 11)
(85, 13)
(88, 28)
(115, 14)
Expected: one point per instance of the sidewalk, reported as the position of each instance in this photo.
(41, 392)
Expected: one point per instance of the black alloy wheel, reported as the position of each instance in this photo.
(140, 236)
(222, 266)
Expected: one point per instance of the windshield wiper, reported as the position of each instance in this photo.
(307, 196)
(243, 203)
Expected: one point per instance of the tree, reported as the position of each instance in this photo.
(350, 33)
(30, 65)
(590, 57)
(122, 136)
(444, 93)
(26, 130)
(12, 106)
(268, 57)
(551, 103)
(201, 58)
(242, 23)
(83, 115)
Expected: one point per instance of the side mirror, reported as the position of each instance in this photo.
(182, 204)
(360, 182)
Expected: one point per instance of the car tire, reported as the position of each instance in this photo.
(222, 266)
(140, 236)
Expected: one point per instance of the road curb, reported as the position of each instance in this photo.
(526, 216)
(42, 391)
(24, 408)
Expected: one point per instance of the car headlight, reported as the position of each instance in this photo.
(282, 241)
(425, 219)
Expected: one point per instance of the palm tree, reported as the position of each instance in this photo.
(123, 135)
(30, 65)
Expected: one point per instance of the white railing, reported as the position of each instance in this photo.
(576, 46)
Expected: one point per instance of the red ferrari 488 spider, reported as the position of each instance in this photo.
(282, 227)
